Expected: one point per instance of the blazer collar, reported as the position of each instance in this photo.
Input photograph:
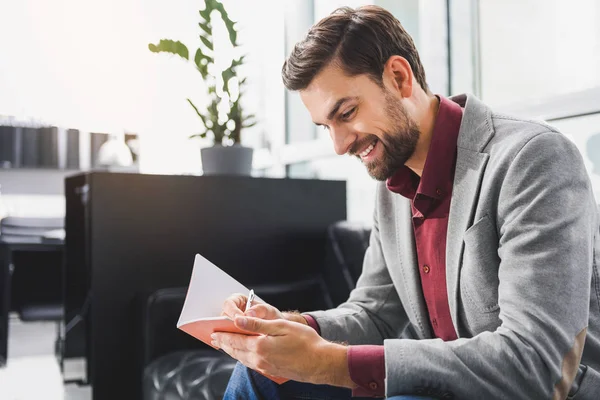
(476, 128)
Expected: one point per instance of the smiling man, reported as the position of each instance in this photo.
(481, 280)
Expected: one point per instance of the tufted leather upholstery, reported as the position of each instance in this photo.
(197, 375)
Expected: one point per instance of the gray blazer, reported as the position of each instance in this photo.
(523, 279)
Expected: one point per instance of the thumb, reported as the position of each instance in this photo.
(257, 325)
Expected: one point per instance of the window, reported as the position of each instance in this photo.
(536, 49)
(584, 131)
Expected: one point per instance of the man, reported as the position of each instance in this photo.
(481, 280)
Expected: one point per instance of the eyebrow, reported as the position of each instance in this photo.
(336, 107)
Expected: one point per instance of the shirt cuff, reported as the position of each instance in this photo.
(367, 369)
(312, 323)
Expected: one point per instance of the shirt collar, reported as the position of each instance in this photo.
(438, 172)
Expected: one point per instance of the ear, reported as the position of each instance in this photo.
(398, 75)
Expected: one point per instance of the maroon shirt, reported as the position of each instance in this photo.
(430, 202)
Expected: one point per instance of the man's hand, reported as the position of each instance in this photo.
(235, 305)
(286, 349)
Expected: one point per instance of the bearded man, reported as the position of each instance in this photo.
(481, 280)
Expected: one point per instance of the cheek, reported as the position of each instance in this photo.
(372, 122)
(362, 127)
(372, 125)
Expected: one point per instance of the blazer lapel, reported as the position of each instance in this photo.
(475, 133)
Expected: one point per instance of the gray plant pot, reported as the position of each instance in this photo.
(227, 160)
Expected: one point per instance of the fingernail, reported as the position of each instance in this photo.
(242, 321)
(214, 343)
(251, 313)
(213, 336)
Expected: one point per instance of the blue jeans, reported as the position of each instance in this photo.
(246, 384)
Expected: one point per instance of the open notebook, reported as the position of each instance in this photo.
(201, 313)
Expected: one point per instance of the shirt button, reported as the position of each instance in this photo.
(434, 322)
(426, 269)
(373, 385)
(438, 191)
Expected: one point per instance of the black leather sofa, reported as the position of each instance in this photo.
(176, 366)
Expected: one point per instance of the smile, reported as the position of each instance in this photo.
(368, 150)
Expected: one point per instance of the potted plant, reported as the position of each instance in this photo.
(225, 90)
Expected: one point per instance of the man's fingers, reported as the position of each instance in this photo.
(234, 305)
(238, 354)
(267, 327)
(234, 340)
(231, 345)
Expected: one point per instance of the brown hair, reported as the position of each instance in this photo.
(361, 40)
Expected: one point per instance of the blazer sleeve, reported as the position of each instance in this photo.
(546, 219)
(373, 311)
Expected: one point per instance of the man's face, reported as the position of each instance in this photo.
(364, 120)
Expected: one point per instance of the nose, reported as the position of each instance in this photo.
(342, 139)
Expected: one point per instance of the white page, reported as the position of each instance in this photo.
(208, 289)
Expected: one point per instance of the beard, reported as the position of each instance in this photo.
(399, 142)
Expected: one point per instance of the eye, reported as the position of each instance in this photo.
(345, 116)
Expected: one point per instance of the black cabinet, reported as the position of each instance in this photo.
(129, 233)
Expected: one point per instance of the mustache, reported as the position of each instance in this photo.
(358, 146)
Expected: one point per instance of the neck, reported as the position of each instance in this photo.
(426, 123)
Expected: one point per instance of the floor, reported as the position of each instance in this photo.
(33, 372)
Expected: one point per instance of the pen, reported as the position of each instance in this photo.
(250, 299)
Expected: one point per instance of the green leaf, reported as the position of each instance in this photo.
(170, 46)
(205, 14)
(238, 62)
(207, 42)
(227, 75)
(229, 24)
(205, 26)
(202, 117)
(202, 60)
(232, 35)
(199, 57)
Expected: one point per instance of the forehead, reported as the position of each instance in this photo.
(330, 85)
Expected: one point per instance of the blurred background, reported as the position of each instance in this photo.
(78, 80)
(86, 66)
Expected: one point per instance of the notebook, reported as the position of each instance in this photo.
(201, 314)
